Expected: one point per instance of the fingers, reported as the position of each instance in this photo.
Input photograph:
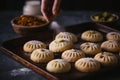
(44, 9)
(56, 7)
(50, 9)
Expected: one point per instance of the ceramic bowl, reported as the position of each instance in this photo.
(104, 17)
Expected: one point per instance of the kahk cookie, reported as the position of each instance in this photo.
(58, 66)
(106, 58)
(87, 65)
(60, 45)
(90, 48)
(92, 36)
(67, 35)
(32, 45)
(113, 36)
(41, 55)
(72, 55)
(111, 46)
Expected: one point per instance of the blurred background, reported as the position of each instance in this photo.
(99, 5)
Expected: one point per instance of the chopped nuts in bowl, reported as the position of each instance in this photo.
(104, 17)
(28, 25)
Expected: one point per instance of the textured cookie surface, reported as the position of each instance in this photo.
(111, 46)
(113, 36)
(92, 36)
(106, 58)
(60, 45)
(72, 55)
(58, 66)
(41, 55)
(67, 35)
(90, 48)
(32, 45)
(87, 65)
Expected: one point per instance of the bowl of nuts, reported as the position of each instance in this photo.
(29, 25)
(104, 17)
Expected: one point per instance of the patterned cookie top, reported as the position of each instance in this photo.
(41, 55)
(87, 65)
(92, 36)
(32, 45)
(67, 35)
(90, 48)
(58, 66)
(72, 55)
(106, 58)
(111, 46)
(113, 36)
(60, 45)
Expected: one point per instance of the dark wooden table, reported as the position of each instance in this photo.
(12, 70)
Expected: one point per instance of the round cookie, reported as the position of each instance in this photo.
(90, 48)
(111, 46)
(92, 36)
(60, 45)
(67, 35)
(113, 36)
(87, 65)
(58, 66)
(106, 58)
(32, 45)
(41, 55)
(72, 55)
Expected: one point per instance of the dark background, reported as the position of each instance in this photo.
(99, 5)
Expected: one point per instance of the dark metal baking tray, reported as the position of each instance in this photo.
(14, 48)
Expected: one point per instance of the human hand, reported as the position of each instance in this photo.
(50, 9)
